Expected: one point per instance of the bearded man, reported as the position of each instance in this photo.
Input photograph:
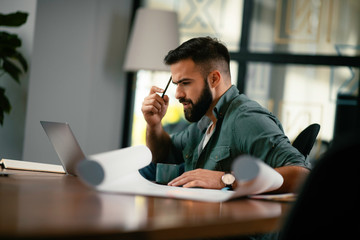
(225, 123)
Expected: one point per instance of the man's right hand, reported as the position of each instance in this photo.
(154, 107)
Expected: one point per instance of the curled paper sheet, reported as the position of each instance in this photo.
(254, 176)
(117, 172)
(106, 168)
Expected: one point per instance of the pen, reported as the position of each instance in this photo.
(166, 87)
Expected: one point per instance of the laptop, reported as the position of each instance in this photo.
(65, 145)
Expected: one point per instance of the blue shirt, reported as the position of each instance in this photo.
(242, 127)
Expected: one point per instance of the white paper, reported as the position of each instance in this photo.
(254, 176)
(119, 163)
(118, 173)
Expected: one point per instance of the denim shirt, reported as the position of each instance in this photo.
(242, 127)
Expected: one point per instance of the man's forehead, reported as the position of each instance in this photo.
(186, 63)
(185, 69)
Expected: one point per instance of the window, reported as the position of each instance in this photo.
(301, 94)
(306, 27)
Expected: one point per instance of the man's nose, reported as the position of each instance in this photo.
(179, 93)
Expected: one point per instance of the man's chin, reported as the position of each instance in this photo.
(191, 118)
(188, 116)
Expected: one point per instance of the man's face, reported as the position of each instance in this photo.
(192, 89)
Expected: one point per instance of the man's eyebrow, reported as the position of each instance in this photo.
(181, 80)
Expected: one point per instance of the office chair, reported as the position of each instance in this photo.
(328, 205)
(306, 139)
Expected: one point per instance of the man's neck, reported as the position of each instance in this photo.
(210, 112)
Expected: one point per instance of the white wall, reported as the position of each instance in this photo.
(12, 132)
(76, 74)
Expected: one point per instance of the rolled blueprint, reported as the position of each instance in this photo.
(118, 172)
(254, 176)
(106, 168)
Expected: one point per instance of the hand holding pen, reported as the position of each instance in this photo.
(155, 106)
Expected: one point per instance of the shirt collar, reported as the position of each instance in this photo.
(220, 108)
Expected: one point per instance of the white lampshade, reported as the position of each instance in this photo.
(154, 34)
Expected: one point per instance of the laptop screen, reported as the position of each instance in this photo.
(65, 145)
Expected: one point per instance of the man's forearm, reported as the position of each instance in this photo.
(293, 178)
(158, 141)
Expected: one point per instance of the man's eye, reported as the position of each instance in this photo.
(185, 83)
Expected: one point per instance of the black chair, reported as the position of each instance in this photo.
(328, 206)
(306, 139)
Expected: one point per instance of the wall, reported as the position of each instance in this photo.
(76, 74)
(12, 132)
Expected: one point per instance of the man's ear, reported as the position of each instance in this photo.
(214, 78)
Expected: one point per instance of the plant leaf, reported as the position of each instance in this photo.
(9, 40)
(7, 52)
(12, 70)
(13, 19)
(5, 106)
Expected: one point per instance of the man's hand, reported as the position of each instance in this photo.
(199, 178)
(154, 107)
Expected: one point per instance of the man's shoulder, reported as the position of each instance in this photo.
(243, 105)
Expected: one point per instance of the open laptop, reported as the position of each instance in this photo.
(65, 145)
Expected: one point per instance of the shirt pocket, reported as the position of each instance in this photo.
(188, 159)
(219, 159)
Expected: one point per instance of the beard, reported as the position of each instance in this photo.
(197, 110)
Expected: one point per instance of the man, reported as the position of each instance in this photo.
(224, 125)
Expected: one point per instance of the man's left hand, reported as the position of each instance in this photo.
(199, 178)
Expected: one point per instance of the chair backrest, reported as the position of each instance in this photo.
(328, 205)
(306, 139)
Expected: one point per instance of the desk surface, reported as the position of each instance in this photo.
(55, 205)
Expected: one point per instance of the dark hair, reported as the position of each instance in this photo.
(207, 52)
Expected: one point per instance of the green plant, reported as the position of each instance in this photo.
(12, 62)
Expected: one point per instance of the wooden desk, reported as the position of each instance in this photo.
(58, 206)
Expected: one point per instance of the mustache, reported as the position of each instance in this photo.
(184, 100)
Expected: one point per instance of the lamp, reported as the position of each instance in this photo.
(154, 33)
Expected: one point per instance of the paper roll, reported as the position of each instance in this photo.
(108, 167)
(117, 172)
(255, 176)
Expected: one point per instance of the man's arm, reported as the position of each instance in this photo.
(154, 108)
(293, 178)
(158, 141)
